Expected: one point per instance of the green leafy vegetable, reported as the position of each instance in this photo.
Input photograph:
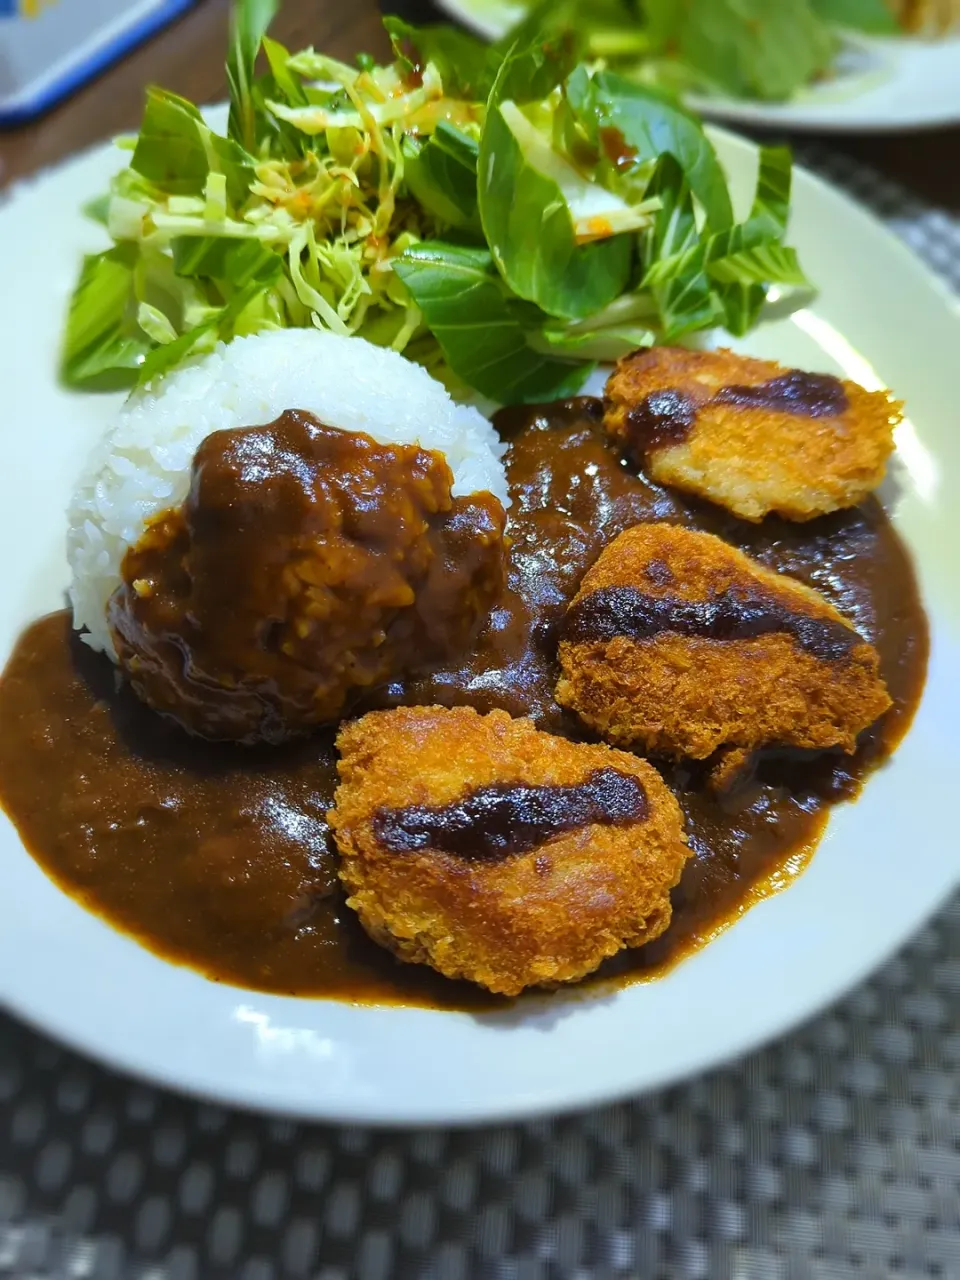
(684, 297)
(465, 65)
(766, 49)
(738, 262)
(502, 215)
(482, 335)
(97, 209)
(248, 26)
(237, 262)
(528, 204)
(651, 124)
(746, 257)
(177, 151)
(441, 175)
(747, 48)
(539, 53)
(874, 16)
(221, 325)
(102, 333)
(285, 83)
(753, 252)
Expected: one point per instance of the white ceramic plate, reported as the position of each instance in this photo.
(881, 84)
(886, 862)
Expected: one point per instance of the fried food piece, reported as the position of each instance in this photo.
(497, 853)
(678, 644)
(928, 17)
(748, 434)
(305, 565)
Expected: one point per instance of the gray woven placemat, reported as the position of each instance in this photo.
(832, 1154)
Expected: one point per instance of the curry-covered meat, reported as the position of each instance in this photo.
(306, 565)
(678, 644)
(748, 434)
(497, 853)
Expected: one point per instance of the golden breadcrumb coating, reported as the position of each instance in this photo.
(548, 914)
(928, 17)
(678, 644)
(804, 445)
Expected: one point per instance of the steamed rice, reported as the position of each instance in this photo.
(142, 466)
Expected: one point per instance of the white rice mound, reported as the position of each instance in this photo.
(142, 466)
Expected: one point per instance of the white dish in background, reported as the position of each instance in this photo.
(882, 85)
(885, 864)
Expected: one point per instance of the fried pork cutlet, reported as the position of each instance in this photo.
(678, 644)
(497, 853)
(748, 434)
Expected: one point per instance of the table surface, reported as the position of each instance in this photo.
(188, 58)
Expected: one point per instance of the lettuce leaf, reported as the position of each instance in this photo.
(540, 51)
(282, 82)
(766, 49)
(529, 227)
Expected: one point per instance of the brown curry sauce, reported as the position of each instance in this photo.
(220, 856)
(306, 564)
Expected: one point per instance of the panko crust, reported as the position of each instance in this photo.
(547, 916)
(752, 460)
(688, 695)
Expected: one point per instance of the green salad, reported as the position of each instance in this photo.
(764, 49)
(507, 216)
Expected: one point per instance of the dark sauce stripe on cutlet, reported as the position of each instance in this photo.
(662, 418)
(666, 417)
(740, 614)
(809, 395)
(502, 819)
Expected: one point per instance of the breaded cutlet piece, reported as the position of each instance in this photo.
(678, 644)
(497, 853)
(927, 17)
(748, 434)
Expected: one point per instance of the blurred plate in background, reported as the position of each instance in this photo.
(881, 85)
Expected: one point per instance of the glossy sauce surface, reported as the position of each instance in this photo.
(220, 856)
